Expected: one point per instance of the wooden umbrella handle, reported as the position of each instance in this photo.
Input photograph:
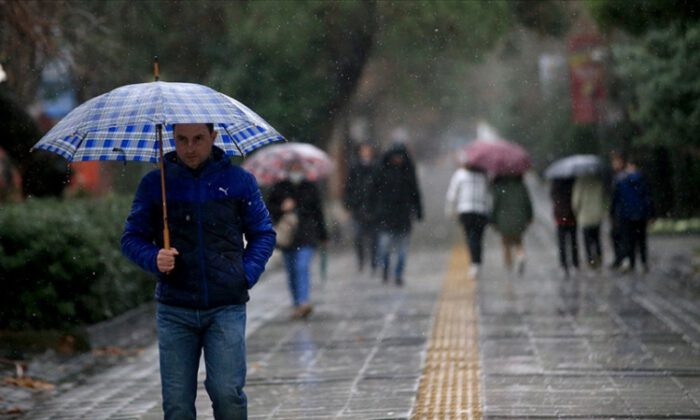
(159, 135)
(156, 69)
(166, 231)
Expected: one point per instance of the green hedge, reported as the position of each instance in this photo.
(61, 266)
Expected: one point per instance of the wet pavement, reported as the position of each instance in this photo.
(599, 345)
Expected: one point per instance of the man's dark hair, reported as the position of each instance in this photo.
(210, 127)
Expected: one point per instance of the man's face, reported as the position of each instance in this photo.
(193, 143)
(396, 160)
(617, 164)
(366, 153)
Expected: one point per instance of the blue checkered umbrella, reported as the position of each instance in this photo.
(121, 124)
(127, 123)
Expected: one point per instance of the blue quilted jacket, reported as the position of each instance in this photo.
(210, 212)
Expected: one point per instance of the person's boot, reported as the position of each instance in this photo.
(399, 281)
(302, 311)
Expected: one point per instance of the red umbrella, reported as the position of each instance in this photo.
(498, 157)
(271, 164)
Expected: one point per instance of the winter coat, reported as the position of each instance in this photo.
(312, 226)
(560, 194)
(631, 199)
(587, 200)
(512, 208)
(357, 193)
(468, 192)
(397, 198)
(210, 210)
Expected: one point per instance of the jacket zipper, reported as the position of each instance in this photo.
(200, 238)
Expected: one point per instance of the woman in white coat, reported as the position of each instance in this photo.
(469, 197)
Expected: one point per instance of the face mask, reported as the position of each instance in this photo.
(296, 177)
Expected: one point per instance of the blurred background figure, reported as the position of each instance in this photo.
(469, 198)
(357, 197)
(10, 180)
(565, 220)
(397, 201)
(588, 203)
(512, 214)
(617, 164)
(632, 206)
(297, 194)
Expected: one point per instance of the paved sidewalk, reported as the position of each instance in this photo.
(588, 347)
(358, 356)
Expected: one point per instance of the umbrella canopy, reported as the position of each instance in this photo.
(271, 164)
(121, 124)
(497, 157)
(574, 166)
(127, 123)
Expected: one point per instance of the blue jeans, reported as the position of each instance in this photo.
(182, 334)
(298, 264)
(393, 242)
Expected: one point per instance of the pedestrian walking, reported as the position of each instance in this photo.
(512, 214)
(203, 279)
(299, 196)
(358, 199)
(632, 205)
(397, 201)
(560, 193)
(587, 200)
(617, 164)
(469, 197)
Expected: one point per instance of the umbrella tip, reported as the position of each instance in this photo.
(156, 68)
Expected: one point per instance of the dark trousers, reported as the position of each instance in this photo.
(635, 238)
(568, 246)
(366, 241)
(618, 243)
(591, 241)
(474, 225)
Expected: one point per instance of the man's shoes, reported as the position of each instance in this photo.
(399, 281)
(302, 311)
(385, 276)
(474, 271)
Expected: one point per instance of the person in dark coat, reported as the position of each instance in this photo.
(633, 207)
(298, 195)
(617, 163)
(566, 223)
(359, 201)
(397, 201)
(512, 214)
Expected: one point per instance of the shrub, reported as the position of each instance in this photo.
(61, 266)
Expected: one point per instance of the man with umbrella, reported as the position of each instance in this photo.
(203, 279)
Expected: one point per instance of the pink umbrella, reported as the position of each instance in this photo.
(498, 157)
(270, 164)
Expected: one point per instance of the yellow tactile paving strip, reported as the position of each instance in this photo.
(449, 388)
